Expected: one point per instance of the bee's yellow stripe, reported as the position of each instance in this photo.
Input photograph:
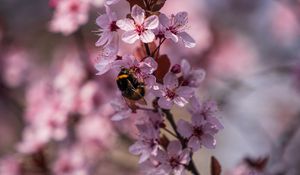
(122, 76)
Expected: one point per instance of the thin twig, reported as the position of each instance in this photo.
(145, 109)
(147, 4)
(147, 49)
(191, 166)
(170, 132)
(158, 47)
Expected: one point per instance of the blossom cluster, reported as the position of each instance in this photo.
(63, 114)
(165, 86)
(69, 124)
(69, 15)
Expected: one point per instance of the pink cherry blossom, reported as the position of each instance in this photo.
(143, 70)
(90, 138)
(174, 28)
(139, 28)
(206, 110)
(64, 78)
(16, 66)
(10, 165)
(154, 118)
(106, 58)
(90, 97)
(71, 162)
(33, 141)
(54, 126)
(122, 111)
(171, 93)
(192, 78)
(147, 143)
(53, 3)
(150, 167)
(198, 133)
(108, 28)
(174, 160)
(69, 15)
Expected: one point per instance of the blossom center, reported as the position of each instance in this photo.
(139, 29)
(74, 7)
(66, 168)
(185, 82)
(173, 29)
(174, 162)
(198, 132)
(53, 124)
(170, 94)
(113, 26)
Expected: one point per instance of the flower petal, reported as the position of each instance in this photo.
(103, 21)
(184, 128)
(170, 80)
(136, 148)
(174, 148)
(172, 36)
(126, 24)
(198, 120)
(103, 66)
(185, 67)
(196, 77)
(158, 90)
(179, 170)
(195, 105)
(181, 18)
(121, 115)
(164, 20)
(104, 39)
(180, 101)
(110, 2)
(151, 22)
(138, 14)
(145, 156)
(194, 143)
(150, 81)
(208, 141)
(148, 66)
(188, 41)
(165, 103)
(147, 36)
(185, 91)
(216, 122)
(185, 156)
(130, 36)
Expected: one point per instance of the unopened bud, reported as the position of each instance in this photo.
(176, 69)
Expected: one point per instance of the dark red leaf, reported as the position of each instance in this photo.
(158, 5)
(164, 64)
(137, 2)
(155, 6)
(164, 141)
(215, 166)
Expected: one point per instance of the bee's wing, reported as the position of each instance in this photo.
(142, 101)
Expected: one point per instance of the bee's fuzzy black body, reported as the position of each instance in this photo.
(129, 85)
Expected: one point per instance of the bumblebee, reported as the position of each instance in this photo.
(130, 86)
